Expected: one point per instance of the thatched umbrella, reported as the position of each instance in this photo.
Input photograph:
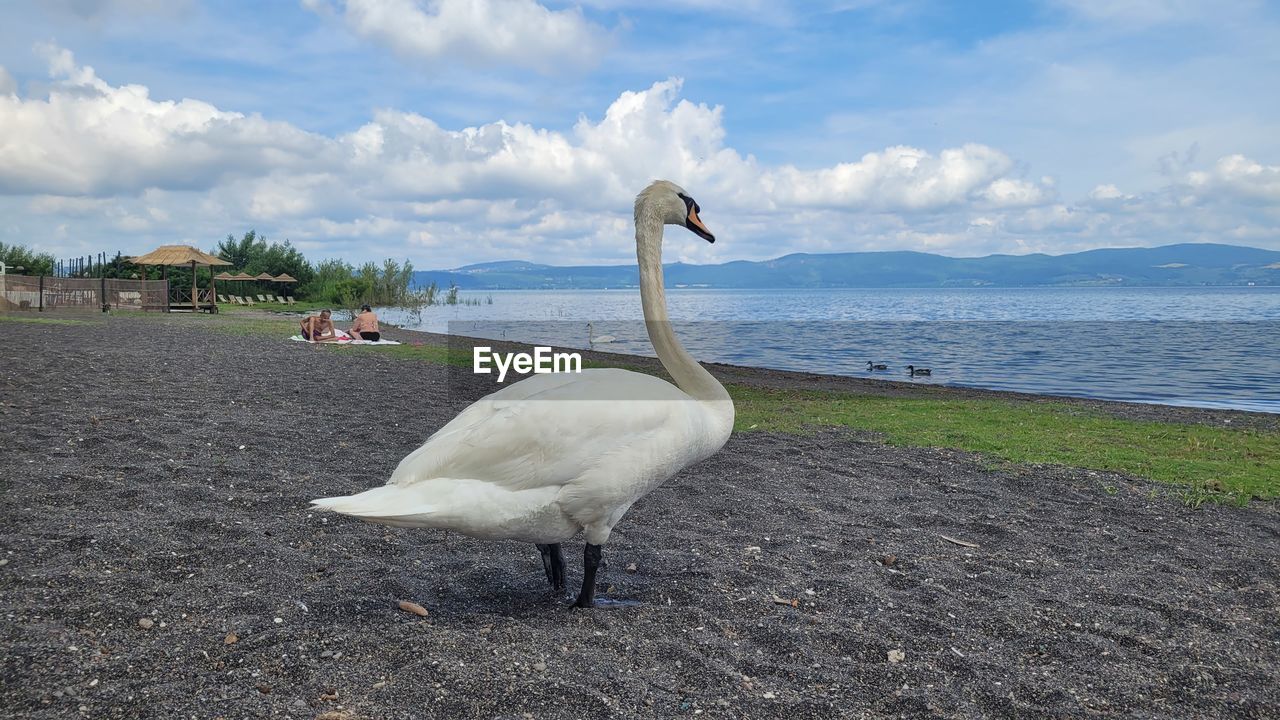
(286, 278)
(167, 255)
(265, 277)
(228, 277)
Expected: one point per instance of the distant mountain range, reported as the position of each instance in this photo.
(1171, 265)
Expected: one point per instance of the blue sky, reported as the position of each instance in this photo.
(451, 132)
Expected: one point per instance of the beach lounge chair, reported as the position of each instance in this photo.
(248, 300)
(223, 299)
(291, 302)
(270, 298)
(280, 299)
(261, 299)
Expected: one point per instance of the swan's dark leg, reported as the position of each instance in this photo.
(590, 563)
(557, 567)
(553, 564)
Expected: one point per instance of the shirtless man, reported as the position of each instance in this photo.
(366, 325)
(319, 329)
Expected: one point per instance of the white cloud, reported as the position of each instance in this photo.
(479, 32)
(600, 164)
(1106, 192)
(115, 164)
(282, 195)
(1011, 192)
(653, 133)
(906, 178)
(90, 138)
(1241, 177)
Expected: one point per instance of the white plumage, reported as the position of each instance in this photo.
(554, 455)
(593, 339)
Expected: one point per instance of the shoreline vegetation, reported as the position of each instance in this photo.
(327, 283)
(1200, 455)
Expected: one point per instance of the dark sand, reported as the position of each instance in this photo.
(133, 487)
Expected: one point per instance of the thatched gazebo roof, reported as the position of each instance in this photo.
(178, 255)
(167, 255)
(243, 276)
(285, 277)
(265, 276)
(224, 276)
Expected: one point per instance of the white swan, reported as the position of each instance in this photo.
(554, 455)
(593, 339)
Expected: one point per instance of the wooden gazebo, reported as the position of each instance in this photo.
(180, 255)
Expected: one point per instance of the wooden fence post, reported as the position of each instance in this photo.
(103, 296)
(42, 293)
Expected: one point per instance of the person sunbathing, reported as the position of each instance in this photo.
(366, 325)
(319, 328)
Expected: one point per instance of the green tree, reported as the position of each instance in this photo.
(241, 253)
(333, 282)
(252, 254)
(329, 280)
(31, 262)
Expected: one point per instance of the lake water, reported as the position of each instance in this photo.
(1205, 347)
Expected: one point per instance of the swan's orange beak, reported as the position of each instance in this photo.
(695, 224)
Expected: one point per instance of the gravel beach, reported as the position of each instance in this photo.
(158, 559)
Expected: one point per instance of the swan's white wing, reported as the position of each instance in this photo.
(549, 429)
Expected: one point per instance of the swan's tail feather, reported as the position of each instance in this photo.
(472, 507)
(386, 505)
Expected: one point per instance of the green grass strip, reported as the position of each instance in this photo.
(1239, 464)
(436, 354)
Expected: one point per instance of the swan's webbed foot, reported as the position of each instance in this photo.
(553, 565)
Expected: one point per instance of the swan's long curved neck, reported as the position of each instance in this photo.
(687, 373)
